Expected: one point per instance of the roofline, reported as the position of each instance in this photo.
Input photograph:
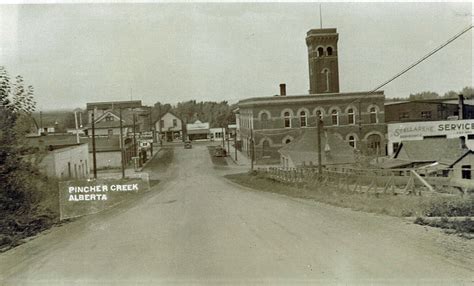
(460, 158)
(308, 97)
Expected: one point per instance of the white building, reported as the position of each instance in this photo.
(198, 130)
(169, 127)
(399, 132)
(64, 162)
(217, 133)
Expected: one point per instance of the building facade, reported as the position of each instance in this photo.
(427, 110)
(273, 122)
(170, 127)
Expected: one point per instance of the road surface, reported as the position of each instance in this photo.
(196, 227)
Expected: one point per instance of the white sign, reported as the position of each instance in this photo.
(398, 132)
(418, 130)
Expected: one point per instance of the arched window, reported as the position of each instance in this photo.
(303, 120)
(335, 117)
(329, 51)
(373, 115)
(287, 119)
(326, 73)
(265, 148)
(264, 120)
(350, 116)
(320, 51)
(352, 141)
(288, 141)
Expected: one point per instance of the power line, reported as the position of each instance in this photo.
(422, 59)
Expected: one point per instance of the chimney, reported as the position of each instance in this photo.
(461, 106)
(282, 89)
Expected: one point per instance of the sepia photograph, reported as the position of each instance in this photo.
(236, 143)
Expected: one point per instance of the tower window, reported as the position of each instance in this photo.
(329, 51)
(325, 73)
(287, 119)
(320, 52)
(335, 117)
(303, 119)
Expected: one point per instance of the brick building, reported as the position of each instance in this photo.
(355, 117)
(428, 110)
(276, 121)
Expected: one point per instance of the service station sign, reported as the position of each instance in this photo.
(398, 132)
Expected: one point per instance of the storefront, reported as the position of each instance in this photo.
(398, 132)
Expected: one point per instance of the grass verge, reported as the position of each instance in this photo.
(387, 204)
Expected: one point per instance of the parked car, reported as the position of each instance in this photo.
(187, 144)
(219, 152)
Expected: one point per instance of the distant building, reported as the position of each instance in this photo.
(303, 151)
(69, 161)
(108, 124)
(132, 111)
(197, 130)
(169, 127)
(217, 133)
(428, 110)
(445, 157)
(357, 118)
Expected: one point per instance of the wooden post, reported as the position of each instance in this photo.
(121, 144)
(94, 159)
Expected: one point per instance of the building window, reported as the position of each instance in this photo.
(319, 113)
(466, 172)
(109, 118)
(334, 117)
(265, 148)
(175, 122)
(320, 51)
(426, 114)
(404, 116)
(325, 73)
(373, 115)
(329, 51)
(110, 132)
(303, 119)
(395, 147)
(350, 116)
(287, 119)
(288, 141)
(264, 120)
(352, 141)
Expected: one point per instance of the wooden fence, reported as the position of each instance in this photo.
(395, 181)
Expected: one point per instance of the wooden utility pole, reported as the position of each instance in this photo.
(121, 145)
(252, 150)
(318, 136)
(235, 146)
(94, 159)
(134, 139)
(228, 146)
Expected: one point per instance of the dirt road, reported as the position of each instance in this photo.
(195, 227)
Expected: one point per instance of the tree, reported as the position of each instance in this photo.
(15, 173)
(423, 95)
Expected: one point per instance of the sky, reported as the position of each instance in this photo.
(170, 52)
